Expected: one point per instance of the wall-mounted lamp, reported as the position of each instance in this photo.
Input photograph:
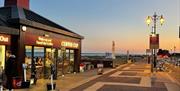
(24, 28)
(46, 35)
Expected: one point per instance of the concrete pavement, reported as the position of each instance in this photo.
(136, 77)
(67, 82)
(127, 77)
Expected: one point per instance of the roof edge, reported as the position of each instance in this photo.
(45, 27)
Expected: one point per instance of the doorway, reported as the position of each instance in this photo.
(50, 59)
(38, 60)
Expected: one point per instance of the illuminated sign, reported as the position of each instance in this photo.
(69, 44)
(4, 39)
(44, 41)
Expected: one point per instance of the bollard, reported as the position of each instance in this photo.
(51, 86)
(24, 67)
(25, 83)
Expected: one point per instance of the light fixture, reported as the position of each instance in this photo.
(24, 28)
(161, 19)
(148, 20)
(153, 35)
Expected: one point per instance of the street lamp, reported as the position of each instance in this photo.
(161, 19)
(154, 18)
(149, 19)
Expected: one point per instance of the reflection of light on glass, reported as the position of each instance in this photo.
(32, 81)
(48, 49)
(71, 55)
(39, 51)
(2, 55)
(28, 48)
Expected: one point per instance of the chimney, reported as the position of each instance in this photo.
(18, 3)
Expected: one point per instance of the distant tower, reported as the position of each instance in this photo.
(113, 50)
(127, 54)
(174, 49)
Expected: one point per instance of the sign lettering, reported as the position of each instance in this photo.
(69, 44)
(4, 39)
(44, 41)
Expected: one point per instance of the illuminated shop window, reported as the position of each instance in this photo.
(2, 55)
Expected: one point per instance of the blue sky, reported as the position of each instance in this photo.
(102, 21)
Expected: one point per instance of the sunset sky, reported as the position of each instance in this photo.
(102, 21)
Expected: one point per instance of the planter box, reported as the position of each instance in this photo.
(49, 88)
(25, 84)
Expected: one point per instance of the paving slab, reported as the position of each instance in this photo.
(128, 88)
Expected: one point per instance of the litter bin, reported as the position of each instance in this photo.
(100, 69)
(82, 67)
(17, 81)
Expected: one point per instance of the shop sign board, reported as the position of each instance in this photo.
(44, 41)
(5, 39)
(69, 44)
(38, 40)
(49, 41)
(154, 41)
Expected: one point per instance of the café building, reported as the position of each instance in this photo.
(37, 41)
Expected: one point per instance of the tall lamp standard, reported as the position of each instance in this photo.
(154, 48)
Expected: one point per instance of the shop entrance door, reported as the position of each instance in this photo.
(50, 59)
(2, 56)
(39, 61)
(69, 61)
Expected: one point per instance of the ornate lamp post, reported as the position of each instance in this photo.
(154, 48)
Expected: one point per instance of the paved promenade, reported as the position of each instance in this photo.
(127, 77)
(135, 77)
(67, 82)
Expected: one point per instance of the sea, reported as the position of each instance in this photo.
(99, 54)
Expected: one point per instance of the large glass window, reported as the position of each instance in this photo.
(39, 52)
(72, 55)
(34, 62)
(40, 58)
(71, 61)
(67, 54)
(59, 63)
(2, 55)
(28, 60)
